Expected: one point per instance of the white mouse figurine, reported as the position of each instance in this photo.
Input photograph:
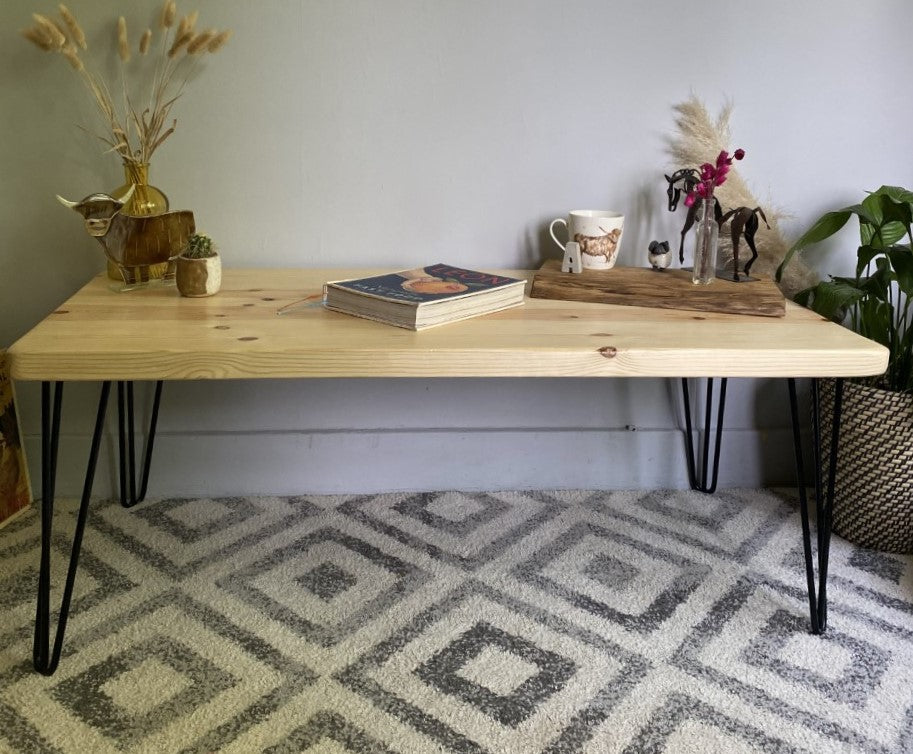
(659, 255)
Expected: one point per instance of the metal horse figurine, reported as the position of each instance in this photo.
(689, 178)
(744, 222)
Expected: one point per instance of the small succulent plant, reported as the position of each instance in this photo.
(199, 246)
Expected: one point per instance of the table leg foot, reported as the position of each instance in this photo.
(824, 501)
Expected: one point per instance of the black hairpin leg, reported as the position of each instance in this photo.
(824, 503)
(127, 447)
(44, 659)
(701, 483)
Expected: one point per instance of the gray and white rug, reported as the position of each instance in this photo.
(500, 622)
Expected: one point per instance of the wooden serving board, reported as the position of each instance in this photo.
(669, 289)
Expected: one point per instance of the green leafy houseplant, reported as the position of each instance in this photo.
(199, 246)
(876, 301)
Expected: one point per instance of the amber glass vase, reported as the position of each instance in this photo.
(146, 200)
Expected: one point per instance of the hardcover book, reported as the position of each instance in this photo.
(425, 297)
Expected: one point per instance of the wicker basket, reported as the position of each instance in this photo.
(873, 498)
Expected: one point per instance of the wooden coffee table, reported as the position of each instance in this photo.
(153, 334)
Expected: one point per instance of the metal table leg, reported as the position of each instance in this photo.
(824, 500)
(701, 483)
(126, 443)
(44, 659)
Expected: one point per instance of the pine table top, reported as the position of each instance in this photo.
(154, 333)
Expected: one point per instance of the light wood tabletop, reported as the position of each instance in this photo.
(154, 333)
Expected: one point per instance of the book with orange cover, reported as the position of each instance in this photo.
(424, 297)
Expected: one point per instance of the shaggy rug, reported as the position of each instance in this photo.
(468, 622)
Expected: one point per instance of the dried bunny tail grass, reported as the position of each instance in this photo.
(219, 40)
(699, 139)
(38, 38)
(123, 47)
(132, 134)
(55, 36)
(72, 56)
(76, 33)
(179, 42)
(63, 32)
(169, 12)
(200, 42)
(187, 24)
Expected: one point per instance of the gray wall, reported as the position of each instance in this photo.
(345, 133)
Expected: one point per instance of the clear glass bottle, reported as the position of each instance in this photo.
(706, 243)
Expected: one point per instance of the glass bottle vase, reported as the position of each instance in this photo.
(706, 242)
(145, 200)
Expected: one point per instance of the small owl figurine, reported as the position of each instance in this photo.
(659, 255)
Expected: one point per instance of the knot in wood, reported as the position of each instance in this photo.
(608, 351)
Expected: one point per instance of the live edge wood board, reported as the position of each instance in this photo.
(154, 333)
(669, 289)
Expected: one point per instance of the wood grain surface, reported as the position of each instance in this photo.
(154, 333)
(669, 289)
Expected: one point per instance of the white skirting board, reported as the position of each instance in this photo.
(345, 461)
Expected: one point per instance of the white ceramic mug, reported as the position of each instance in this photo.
(597, 231)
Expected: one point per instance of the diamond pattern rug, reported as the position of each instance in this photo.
(468, 622)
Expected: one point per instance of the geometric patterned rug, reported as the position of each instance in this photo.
(506, 622)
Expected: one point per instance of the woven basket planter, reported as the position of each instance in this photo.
(873, 494)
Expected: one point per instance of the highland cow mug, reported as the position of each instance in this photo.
(597, 231)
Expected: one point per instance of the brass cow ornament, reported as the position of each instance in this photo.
(133, 242)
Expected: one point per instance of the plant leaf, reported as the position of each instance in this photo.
(833, 298)
(874, 214)
(864, 255)
(902, 261)
(876, 320)
(890, 233)
(877, 284)
(897, 194)
(827, 225)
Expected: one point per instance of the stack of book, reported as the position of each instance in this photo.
(425, 297)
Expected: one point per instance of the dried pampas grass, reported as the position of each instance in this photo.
(699, 139)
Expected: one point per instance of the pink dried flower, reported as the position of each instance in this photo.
(713, 176)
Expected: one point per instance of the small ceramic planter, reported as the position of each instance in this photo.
(199, 277)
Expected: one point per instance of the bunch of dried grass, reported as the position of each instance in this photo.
(132, 133)
(700, 139)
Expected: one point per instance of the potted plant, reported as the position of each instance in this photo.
(199, 267)
(873, 504)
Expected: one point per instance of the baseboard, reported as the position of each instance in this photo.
(190, 464)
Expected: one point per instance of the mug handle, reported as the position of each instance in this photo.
(551, 230)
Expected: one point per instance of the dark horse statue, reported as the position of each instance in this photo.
(688, 177)
(744, 222)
